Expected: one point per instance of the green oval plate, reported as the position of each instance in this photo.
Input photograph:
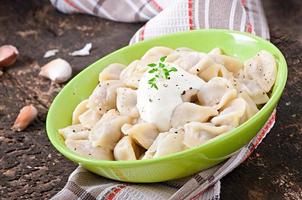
(237, 44)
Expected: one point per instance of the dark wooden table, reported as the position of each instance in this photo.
(30, 168)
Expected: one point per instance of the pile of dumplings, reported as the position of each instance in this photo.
(107, 125)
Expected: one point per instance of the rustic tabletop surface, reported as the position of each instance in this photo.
(30, 168)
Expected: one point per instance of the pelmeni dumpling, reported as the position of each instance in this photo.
(230, 63)
(126, 149)
(76, 132)
(262, 68)
(143, 133)
(107, 131)
(184, 58)
(133, 73)
(85, 149)
(188, 112)
(126, 102)
(89, 118)
(216, 93)
(216, 70)
(197, 133)
(155, 53)
(103, 97)
(166, 143)
(251, 107)
(205, 62)
(253, 89)
(80, 109)
(111, 72)
(231, 114)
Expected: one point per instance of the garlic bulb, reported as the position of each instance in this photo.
(8, 55)
(26, 115)
(57, 70)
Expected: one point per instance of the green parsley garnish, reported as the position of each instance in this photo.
(160, 70)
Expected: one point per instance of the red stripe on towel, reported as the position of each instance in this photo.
(142, 33)
(114, 192)
(190, 14)
(156, 5)
(70, 3)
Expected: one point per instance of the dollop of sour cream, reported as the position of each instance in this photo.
(157, 105)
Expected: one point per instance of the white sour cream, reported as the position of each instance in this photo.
(156, 106)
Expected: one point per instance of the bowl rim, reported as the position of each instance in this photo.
(281, 77)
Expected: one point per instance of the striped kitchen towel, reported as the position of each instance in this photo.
(164, 17)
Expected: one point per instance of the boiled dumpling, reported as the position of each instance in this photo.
(251, 107)
(184, 58)
(216, 70)
(197, 133)
(132, 74)
(188, 112)
(85, 149)
(230, 63)
(215, 52)
(89, 118)
(262, 68)
(126, 149)
(76, 132)
(103, 97)
(216, 93)
(205, 62)
(166, 143)
(155, 53)
(253, 90)
(126, 102)
(107, 131)
(232, 113)
(80, 109)
(111, 72)
(143, 133)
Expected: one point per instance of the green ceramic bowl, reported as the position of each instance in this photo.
(240, 45)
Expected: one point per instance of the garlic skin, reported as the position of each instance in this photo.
(8, 55)
(26, 115)
(50, 53)
(57, 70)
(85, 51)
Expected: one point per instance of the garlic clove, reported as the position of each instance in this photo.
(85, 51)
(26, 115)
(51, 53)
(57, 70)
(8, 55)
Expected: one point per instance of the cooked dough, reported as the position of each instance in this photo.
(133, 73)
(107, 132)
(126, 149)
(111, 72)
(89, 118)
(143, 133)
(126, 102)
(190, 112)
(184, 58)
(80, 109)
(197, 133)
(216, 93)
(232, 113)
(103, 98)
(262, 68)
(85, 149)
(155, 53)
(75, 132)
(166, 143)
